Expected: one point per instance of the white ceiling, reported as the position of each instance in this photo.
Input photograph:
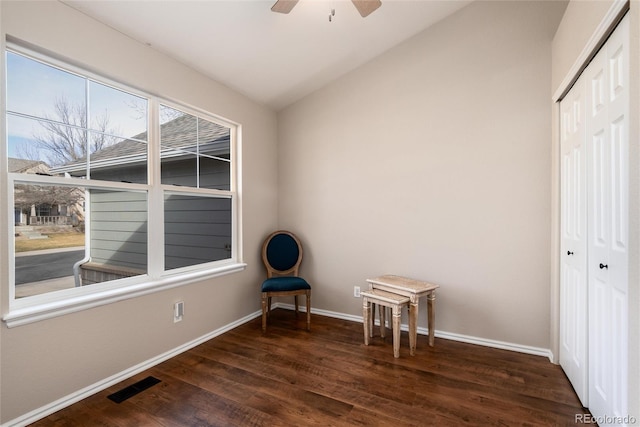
(272, 58)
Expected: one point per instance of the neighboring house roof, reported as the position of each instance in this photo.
(178, 139)
(27, 166)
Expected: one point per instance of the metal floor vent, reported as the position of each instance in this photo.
(133, 389)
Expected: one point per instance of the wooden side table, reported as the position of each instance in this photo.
(414, 289)
(383, 299)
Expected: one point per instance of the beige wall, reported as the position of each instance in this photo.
(433, 161)
(578, 25)
(44, 361)
(581, 21)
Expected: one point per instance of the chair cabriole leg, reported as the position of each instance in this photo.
(264, 311)
(308, 310)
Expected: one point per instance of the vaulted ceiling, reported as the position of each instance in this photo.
(272, 58)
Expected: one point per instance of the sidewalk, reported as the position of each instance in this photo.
(44, 286)
(49, 285)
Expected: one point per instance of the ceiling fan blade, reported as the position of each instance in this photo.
(365, 7)
(283, 6)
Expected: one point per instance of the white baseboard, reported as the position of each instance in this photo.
(77, 396)
(72, 398)
(537, 351)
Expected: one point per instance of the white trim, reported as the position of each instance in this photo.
(589, 50)
(77, 396)
(51, 309)
(520, 348)
(236, 188)
(92, 389)
(503, 345)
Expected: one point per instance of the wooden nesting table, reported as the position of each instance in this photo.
(414, 289)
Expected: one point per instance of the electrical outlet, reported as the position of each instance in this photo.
(356, 291)
(178, 311)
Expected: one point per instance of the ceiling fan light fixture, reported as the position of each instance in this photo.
(283, 6)
(365, 7)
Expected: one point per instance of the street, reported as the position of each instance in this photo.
(34, 268)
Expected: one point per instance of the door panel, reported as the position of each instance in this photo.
(573, 266)
(607, 131)
(595, 230)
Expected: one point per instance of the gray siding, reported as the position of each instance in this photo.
(213, 173)
(119, 229)
(136, 173)
(197, 230)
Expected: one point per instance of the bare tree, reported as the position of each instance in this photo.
(140, 107)
(27, 195)
(64, 137)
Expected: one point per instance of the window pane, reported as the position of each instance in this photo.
(116, 112)
(53, 218)
(197, 230)
(112, 131)
(122, 161)
(215, 158)
(179, 145)
(52, 144)
(49, 237)
(195, 152)
(118, 239)
(43, 91)
(111, 159)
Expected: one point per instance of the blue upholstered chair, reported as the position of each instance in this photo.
(282, 255)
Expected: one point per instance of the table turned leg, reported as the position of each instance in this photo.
(372, 318)
(366, 316)
(396, 330)
(413, 325)
(431, 306)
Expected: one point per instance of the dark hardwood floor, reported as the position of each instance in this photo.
(327, 377)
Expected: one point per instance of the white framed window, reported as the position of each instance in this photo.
(117, 192)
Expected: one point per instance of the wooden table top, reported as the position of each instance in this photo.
(403, 283)
(385, 296)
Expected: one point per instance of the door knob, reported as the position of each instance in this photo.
(569, 253)
(603, 266)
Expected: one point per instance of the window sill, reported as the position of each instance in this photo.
(47, 310)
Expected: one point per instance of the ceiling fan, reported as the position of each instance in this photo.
(365, 7)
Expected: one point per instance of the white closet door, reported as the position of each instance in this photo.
(607, 80)
(573, 224)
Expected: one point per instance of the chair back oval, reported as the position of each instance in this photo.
(282, 253)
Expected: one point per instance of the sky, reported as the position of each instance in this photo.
(33, 88)
(35, 92)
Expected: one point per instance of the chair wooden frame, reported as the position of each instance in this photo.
(272, 272)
